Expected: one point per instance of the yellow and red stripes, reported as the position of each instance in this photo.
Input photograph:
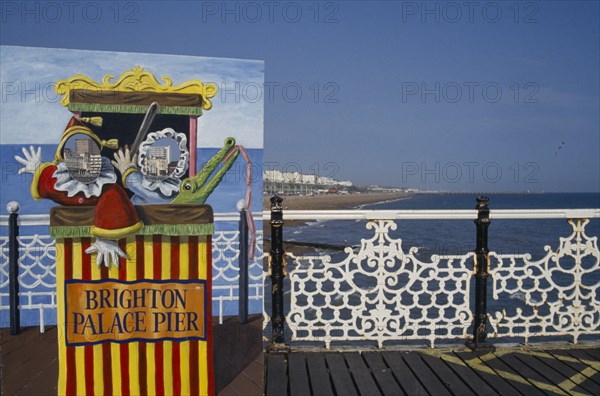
(164, 367)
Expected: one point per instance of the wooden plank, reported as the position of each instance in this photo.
(564, 356)
(512, 377)
(530, 374)
(554, 376)
(581, 355)
(583, 359)
(593, 352)
(405, 377)
(361, 374)
(478, 376)
(449, 377)
(342, 380)
(298, 375)
(318, 374)
(276, 376)
(574, 375)
(383, 374)
(421, 370)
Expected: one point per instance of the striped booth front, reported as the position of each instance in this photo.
(143, 327)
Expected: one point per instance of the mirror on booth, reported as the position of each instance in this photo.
(82, 158)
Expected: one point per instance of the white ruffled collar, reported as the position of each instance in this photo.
(65, 182)
(167, 187)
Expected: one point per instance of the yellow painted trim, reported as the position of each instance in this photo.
(131, 258)
(184, 258)
(148, 259)
(98, 367)
(184, 363)
(127, 173)
(151, 368)
(135, 80)
(115, 353)
(184, 348)
(60, 316)
(149, 274)
(36, 180)
(116, 234)
(134, 357)
(80, 370)
(202, 259)
(134, 372)
(167, 345)
(203, 367)
(168, 364)
(79, 351)
(202, 345)
(165, 257)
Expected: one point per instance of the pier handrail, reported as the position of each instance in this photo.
(436, 214)
(327, 304)
(360, 214)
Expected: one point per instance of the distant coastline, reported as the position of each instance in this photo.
(335, 201)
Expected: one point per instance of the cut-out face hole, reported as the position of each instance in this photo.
(82, 158)
(163, 154)
(161, 159)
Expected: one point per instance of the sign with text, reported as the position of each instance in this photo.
(143, 310)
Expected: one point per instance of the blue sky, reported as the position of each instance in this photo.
(469, 96)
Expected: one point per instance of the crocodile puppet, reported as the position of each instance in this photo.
(195, 190)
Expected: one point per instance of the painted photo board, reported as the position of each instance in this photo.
(118, 157)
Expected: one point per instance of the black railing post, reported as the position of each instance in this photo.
(277, 275)
(481, 274)
(243, 264)
(13, 267)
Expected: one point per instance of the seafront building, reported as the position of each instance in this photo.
(278, 182)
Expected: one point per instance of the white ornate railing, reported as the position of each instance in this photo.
(37, 274)
(383, 292)
(556, 295)
(226, 269)
(37, 268)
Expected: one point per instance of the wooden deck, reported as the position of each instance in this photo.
(551, 370)
(29, 364)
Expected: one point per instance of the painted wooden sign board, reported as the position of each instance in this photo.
(143, 327)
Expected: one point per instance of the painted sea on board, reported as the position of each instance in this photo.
(16, 187)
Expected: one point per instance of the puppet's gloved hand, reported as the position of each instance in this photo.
(124, 160)
(31, 161)
(107, 250)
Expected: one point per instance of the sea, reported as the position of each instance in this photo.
(444, 237)
(453, 237)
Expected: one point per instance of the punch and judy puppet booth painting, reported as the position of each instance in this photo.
(131, 201)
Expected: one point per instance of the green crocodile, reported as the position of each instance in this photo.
(196, 189)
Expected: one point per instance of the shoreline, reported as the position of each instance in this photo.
(331, 202)
(335, 201)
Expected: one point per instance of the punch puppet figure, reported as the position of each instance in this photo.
(149, 189)
(80, 176)
(143, 174)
